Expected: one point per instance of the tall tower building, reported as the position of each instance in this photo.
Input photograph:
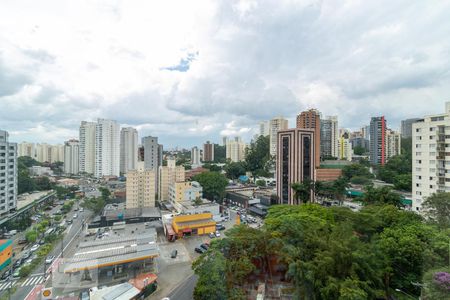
(152, 152)
(195, 156)
(128, 149)
(140, 187)
(107, 148)
(235, 149)
(168, 175)
(72, 157)
(264, 128)
(378, 140)
(345, 148)
(430, 160)
(87, 147)
(406, 127)
(310, 119)
(208, 152)
(26, 149)
(329, 137)
(295, 161)
(8, 174)
(275, 125)
(393, 143)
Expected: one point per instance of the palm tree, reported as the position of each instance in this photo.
(302, 190)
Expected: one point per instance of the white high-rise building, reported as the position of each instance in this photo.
(72, 157)
(329, 137)
(430, 165)
(275, 125)
(195, 156)
(87, 147)
(8, 174)
(393, 143)
(26, 149)
(235, 149)
(264, 128)
(107, 148)
(152, 152)
(128, 149)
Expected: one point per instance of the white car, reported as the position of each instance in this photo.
(75, 216)
(217, 233)
(34, 248)
(49, 259)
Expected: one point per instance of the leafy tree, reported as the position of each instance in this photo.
(106, 193)
(198, 201)
(235, 169)
(358, 150)
(219, 154)
(43, 183)
(302, 191)
(356, 170)
(31, 236)
(213, 184)
(94, 204)
(260, 182)
(436, 283)
(339, 188)
(382, 195)
(403, 182)
(257, 156)
(25, 162)
(210, 269)
(437, 208)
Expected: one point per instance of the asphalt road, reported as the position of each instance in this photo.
(185, 290)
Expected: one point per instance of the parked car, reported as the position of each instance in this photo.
(75, 216)
(69, 222)
(5, 275)
(199, 250)
(34, 248)
(204, 246)
(81, 209)
(49, 259)
(26, 255)
(174, 253)
(22, 241)
(16, 273)
(17, 263)
(212, 235)
(217, 233)
(84, 295)
(41, 242)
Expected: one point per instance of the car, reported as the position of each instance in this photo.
(16, 273)
(204, 246)
(26, 255)
(75, 216)
(41, 242)
(69, 222)
(34, 248)
(174, 253)
(212, 235)
(217, 233)
(81, 209)
(84, 295)
(199, 250)
(49, 259)
(22, 241)
(5, 275)
(17, 263)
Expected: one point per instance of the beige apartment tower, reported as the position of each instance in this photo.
(169, 175)
(140, 187)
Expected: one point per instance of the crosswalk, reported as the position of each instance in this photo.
(30, 281)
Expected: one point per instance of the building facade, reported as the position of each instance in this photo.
(208, 152)
(72, 157)
(310, 119)
(430, 160)
(393, 143)
(8, 174)
(195, 156)
(235, 149)
(107, 148)
(87, 147)
(140, 187)
(345, 148)
(329, 137)
(378, 140)
(185, 191)
(295, 161)
(264, 128)
(152, 152)
(275, 125)
(406, 127)
(128, 149)
(168, 175)
(26, 149)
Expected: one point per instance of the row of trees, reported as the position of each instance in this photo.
(96, 204)
(25, 182)
(331, 253)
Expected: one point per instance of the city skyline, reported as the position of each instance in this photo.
(196, 82)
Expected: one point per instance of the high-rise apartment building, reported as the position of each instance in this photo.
(195, 156)
(406, 127)
(310, 119)
(365, 131)
(295, 161)
(329, 137)
(128, 149)
(393, 143)
(168, 175)
(264, 128)
(345, 148)
(235, 149)
(87, 147)
(378, 140)
(72, 157)
(26, 149)
(140, 187)
(8, 174)
(275, 125)
(107, 148)
(208, 152)
(152, 152)
(430, 162)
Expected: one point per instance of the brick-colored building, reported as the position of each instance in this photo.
(310, 119)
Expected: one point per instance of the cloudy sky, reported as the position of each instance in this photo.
(188, 71)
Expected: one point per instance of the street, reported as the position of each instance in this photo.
(185, 290)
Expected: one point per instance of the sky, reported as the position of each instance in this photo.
(191, 71)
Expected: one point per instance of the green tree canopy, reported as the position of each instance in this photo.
(213, 184)
(235, 169)
(257, 156)
(437, 208)
(382, 195)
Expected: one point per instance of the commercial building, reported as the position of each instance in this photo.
(40, 171)
(8, 174)
(208, 152)
(72, 157)
(275, 125)
(193, 224)
(310, 119)
(185, 191)
(168, 175)
(378, 140)
(345, 148)
(406, 127)
(107, 148)
(26, 149)
(430, 158)
(365, 132)
(87, 147)
(152, 152)
(235, 149)
(140, 187)
(49, 153)
(393, 143)
(360, 142)
(264, 128)
(329, 137)
(296, 161)
(5, 253)
(195, 157)
(128, 149)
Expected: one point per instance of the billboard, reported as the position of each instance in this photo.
(5, 253)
